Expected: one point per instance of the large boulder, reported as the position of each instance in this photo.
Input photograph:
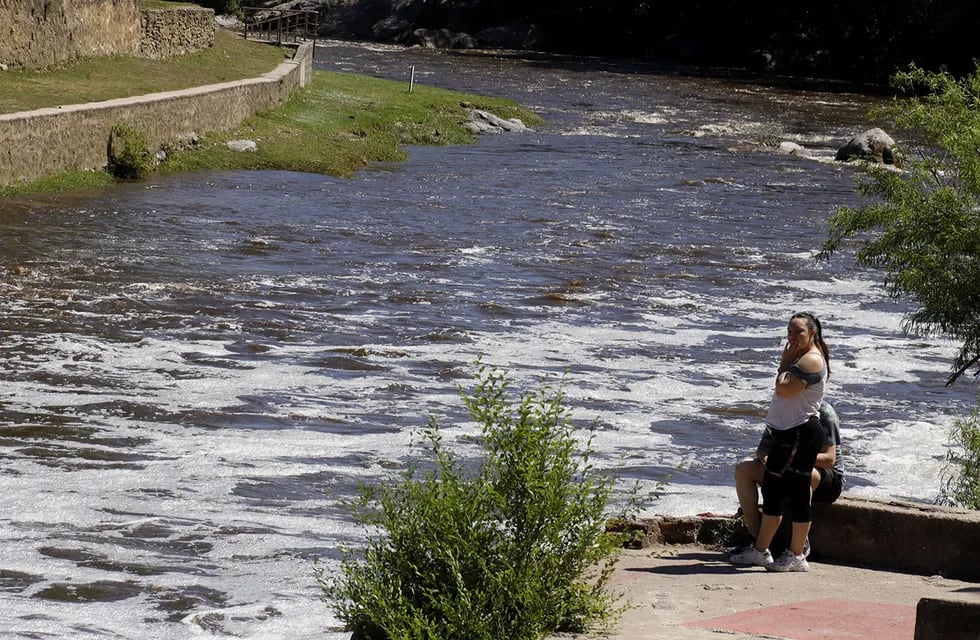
(353, 19)
(391, 28)
(485, 122)
(793, 149)
(446, 24)
(874, 145)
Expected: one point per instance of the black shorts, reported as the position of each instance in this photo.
(830, 487)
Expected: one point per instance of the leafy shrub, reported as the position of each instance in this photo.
(513, 547)
(223, 7)
(961, 475)
(129, 158)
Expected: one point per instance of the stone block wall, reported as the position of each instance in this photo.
(174, 32)
(35, 144)
(43, 33)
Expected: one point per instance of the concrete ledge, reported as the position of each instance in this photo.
(881, 534)
(878, 534)
(947, 620)
(902, 536)
(35, 144)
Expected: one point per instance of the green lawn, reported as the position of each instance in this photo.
(335, 125)
(95, 79)
(340, 122)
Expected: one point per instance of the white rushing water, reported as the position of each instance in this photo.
(199, 370)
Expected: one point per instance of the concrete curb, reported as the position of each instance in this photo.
(937, 619)
(881, 534)
(900, 536)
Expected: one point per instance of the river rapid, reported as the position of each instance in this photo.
(198, 370)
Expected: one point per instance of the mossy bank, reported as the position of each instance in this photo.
(335, 125)
(341, 122)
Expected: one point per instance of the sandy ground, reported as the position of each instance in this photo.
(688, 592)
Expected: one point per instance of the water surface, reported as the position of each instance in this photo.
(199, 369)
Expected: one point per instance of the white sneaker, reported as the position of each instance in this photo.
(806, 547)
(789, 561)
(751, 556)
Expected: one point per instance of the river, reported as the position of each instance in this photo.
(198, 370)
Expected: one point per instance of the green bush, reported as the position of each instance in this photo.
(223, 7)
(129, 157)
(512, 547)
(961, 475)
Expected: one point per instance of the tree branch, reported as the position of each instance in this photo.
(962, 370)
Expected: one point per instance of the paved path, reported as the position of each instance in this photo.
(682, 592)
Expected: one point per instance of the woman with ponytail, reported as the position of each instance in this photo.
(797, 438)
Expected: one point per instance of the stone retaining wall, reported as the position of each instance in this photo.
(173, 32)
(28, 150)
(42, 33)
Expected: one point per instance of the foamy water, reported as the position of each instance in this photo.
(199, 370)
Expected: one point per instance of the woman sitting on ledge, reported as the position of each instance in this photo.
(797, 439)
(826, 481)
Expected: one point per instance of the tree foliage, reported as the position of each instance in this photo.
(230, 7)
(860, 40)
(961, 474)
(922, 226)
(514, 548)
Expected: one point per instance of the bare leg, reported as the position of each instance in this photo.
(748, 477)
(767, 531)
(800, 531)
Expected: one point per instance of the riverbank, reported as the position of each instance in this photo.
(342, 122)
(335, 125)
(797, 41)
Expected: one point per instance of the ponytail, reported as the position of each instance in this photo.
(813, 323)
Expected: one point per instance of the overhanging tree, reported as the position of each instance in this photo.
(922, 225)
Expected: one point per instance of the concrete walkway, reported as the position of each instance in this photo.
(689, 592)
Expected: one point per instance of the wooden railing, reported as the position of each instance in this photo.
(280, 25)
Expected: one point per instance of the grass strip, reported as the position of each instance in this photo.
(338, 123)
(104, 78)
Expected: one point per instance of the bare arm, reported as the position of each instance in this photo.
(788, 385)
(827, 457)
